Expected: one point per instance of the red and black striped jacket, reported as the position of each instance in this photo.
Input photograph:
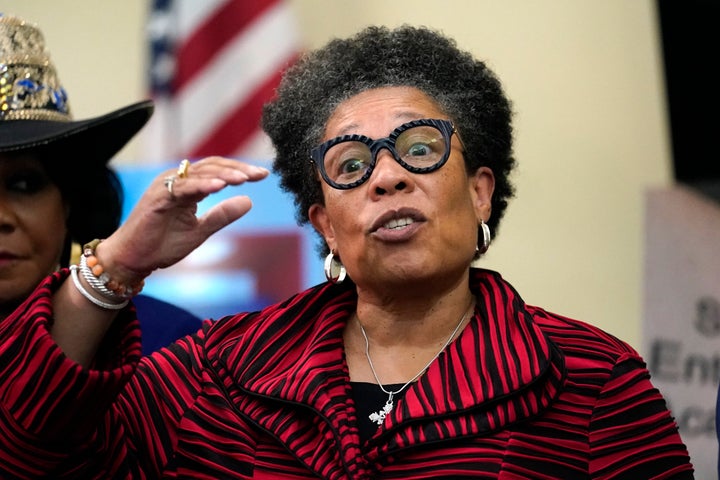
(522, 393)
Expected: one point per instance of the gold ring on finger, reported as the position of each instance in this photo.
(182, 171)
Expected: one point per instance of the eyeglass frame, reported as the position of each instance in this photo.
(446, 128)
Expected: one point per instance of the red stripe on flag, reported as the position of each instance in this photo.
(212, 35)
(230, 134)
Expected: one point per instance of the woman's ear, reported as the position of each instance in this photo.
(482, 186)
(319, 219)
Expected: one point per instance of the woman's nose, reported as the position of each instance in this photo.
(388, 175)
(7, 215)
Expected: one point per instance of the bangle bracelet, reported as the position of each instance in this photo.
(99, 280)
(86, 294)
(96, 282)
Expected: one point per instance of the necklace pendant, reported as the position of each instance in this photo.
(379, 416)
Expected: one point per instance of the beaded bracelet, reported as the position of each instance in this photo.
(95, 282)
(86, 294)
(99, 280)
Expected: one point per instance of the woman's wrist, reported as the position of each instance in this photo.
(88, 291)
(105, 276)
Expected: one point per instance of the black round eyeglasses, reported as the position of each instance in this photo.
(420, 146)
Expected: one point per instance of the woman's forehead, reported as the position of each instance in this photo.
(382, 108)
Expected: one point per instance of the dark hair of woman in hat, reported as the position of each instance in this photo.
(94, 197)
(409, 362)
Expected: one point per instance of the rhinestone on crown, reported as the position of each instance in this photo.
(29, 86)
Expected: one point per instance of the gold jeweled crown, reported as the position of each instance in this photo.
(29, 87)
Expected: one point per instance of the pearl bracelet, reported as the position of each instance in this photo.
(86, 294)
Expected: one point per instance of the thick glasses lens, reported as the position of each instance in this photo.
(346, 162)
(418, 147)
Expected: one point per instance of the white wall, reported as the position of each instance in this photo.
(586, 81)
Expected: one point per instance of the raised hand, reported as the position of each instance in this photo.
(163, 227)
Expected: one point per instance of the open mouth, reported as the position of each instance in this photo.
(398, 223)
(397, 219)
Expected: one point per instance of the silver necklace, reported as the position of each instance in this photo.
(379, 416)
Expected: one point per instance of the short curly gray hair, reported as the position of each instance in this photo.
(463, 87)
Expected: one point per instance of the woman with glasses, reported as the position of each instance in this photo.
(407, 363)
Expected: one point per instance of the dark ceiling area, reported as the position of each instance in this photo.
(690, 31)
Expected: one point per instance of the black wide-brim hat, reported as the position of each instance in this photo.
(98, 138)
(34, 110)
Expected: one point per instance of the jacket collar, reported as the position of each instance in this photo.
(502, 367)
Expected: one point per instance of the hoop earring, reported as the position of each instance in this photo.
(487, 238)
(334, 270)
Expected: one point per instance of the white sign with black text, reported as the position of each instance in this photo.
(681, 317)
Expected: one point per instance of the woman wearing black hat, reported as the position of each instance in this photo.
(56, 188)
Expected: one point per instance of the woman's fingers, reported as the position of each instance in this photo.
(232, 171)
(208, 176)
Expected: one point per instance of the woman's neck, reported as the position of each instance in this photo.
(413, 314)
(402, 337)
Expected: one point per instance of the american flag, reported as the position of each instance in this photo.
(213, 63)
